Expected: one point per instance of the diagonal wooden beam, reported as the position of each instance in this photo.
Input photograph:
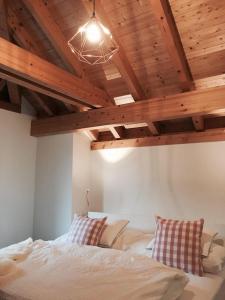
(210, 135)
(13, 89)
(9, 106)
(39, 10)
(30, 67)
(171, 36)
(120, 59)
(196, 103)
(26, 41)
(35, 97)
(2, 84)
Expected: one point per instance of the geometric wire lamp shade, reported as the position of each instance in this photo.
(93, 43)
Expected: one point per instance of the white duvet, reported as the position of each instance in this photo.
(55, 271)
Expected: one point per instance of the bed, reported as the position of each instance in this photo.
(61, 271)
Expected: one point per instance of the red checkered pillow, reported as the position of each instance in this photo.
(178, 244)
(86, 231)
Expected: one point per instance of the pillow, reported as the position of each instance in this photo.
(111, 231)
(178, 244)
(208, 237)
(86, 231)
(127, 237)
(206, 242)
(214, 263)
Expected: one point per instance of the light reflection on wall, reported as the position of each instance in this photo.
(115, 155)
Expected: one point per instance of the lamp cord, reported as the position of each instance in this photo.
(93, 8)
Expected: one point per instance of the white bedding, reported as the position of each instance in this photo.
(209, 287)
(62, 272)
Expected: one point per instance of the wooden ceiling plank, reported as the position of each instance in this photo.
(211, 135)
(13, 89)
(39, 10)
(22, 63)
(184, 105)
(171, 36)
(120, 59)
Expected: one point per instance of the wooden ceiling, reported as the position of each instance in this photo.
(171, 60)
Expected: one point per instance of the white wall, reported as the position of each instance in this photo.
(81, 173)
(180, 181)
(53, 194)
(17, 177)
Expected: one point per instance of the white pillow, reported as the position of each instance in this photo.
(215, 261)
(129, 237)
(150, 245)
(112, 230)
(208, 237)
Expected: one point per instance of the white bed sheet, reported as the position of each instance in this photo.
(208, 287)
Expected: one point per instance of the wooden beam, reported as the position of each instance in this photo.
(171, 36)
(175, 48)
(13, 89)
(28, 66)
(196, 103)
(211, 135)
(2, 84)
(153, 129)
(198, 122)
(92, 134)
(24, 39)
(39, 10)
(40, 102)
(9, 106)
(114, 132)
(14, 93)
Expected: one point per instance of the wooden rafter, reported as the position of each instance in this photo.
(13, 89)
(26, 41)
(39, 10)
(9, 106)
(210, 135)
(35, 97)
(2, 84)
(121, 61)
(196, 103)
(174, 45)
(17, 62)
(92, 134)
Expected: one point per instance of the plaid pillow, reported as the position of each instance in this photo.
(86, 231)
(178, 244)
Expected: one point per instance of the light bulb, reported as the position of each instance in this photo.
(93, 32)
